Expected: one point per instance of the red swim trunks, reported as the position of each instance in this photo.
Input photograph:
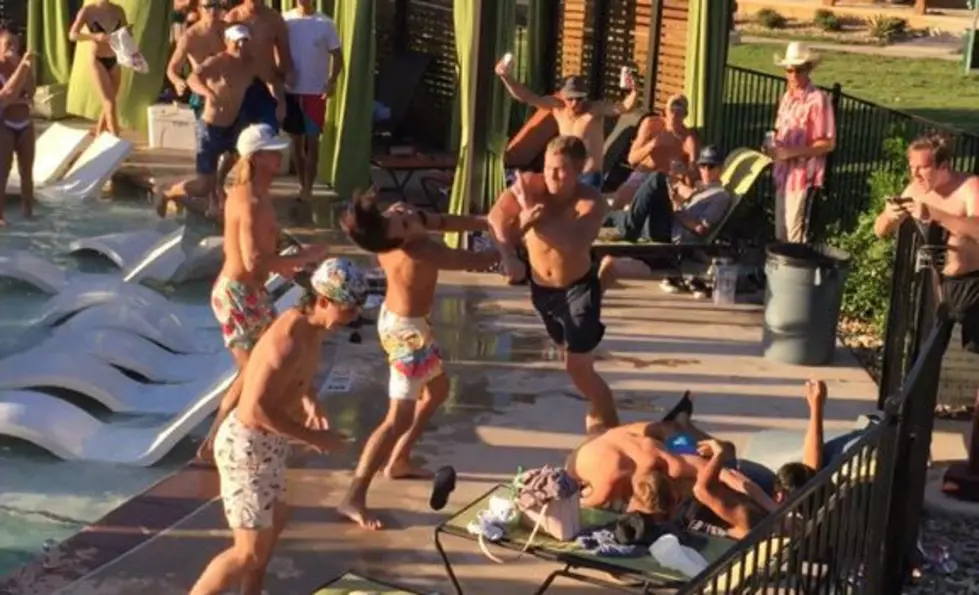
(305, 114)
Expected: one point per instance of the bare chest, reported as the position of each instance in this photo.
(576, 125)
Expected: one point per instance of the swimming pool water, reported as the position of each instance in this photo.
(44, 499)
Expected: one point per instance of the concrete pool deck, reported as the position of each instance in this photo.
(511, 405)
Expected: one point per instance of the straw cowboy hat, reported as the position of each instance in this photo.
(797, 54)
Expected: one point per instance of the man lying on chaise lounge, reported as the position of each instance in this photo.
(668, 469)
(667, 209)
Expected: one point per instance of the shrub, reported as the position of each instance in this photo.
(884, 28)
(771, 19)
(868, 288)
(827, 20)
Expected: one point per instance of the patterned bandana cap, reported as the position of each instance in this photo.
(340, 281)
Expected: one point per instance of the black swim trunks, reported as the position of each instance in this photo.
(962, 296)
(572, 315)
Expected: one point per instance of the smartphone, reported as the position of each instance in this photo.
(900, 200)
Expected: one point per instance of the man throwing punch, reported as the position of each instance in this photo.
(558, 217)
(411, 260)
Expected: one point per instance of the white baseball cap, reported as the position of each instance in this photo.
(259, 137)
(237, 33)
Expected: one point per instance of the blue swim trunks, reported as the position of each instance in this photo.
(592, 178)
(214, 141)
(258, 106)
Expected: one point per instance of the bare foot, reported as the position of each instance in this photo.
(402, 470)
(160, 201)
(359, 514)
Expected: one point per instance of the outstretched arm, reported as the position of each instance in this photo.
(456, 223)
(521, 93)
(617, 108)
(812, 445)
(452, 259)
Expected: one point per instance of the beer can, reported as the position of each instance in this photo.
(625, 78)
(507, 59)
(770, 139)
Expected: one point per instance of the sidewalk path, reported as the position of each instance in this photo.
(912, 49)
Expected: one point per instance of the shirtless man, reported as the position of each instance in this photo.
(16, 127)
(265, 100)
(558, 217)
(950, 200)
(202, 40)
(575, 115)
(662, 145)
(239, 298)
(277, 403)
(651, 467)
(411, 260)
(222, 80)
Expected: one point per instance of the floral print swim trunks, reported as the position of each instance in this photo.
(242, 311)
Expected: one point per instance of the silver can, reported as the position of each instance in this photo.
(625, 78)
(507, 59)
(770, 139)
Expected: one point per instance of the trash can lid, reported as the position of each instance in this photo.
(809, 256)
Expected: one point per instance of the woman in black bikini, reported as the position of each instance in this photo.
(16, 126)
(102, 18)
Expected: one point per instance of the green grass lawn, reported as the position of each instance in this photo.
(933, 89)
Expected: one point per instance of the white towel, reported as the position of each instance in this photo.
(127, 52)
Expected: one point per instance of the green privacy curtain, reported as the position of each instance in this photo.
(491, 32)
(465, 20)
(707, 41)
(47, 36)
(531, 49)
(497, 41)
(151, 30)
(345, 148)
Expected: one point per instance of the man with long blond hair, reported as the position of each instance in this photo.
(239, 298)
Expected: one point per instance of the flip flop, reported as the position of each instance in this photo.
(684, 405)
(443, 484)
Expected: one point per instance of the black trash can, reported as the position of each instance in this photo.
(803, 295)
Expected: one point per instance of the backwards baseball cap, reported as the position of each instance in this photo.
(259, 137)
(678, 103)
(237, 33)
(340, 281)
(710, 156)
(574, 87)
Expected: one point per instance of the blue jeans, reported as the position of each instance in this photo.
(592, 178)
(649, 216)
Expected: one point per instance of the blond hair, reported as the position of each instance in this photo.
(243, 172)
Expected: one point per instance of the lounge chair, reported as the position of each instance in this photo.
(353, 584)
(54, 152)
(741, 169)
(133, 354)
(169, 260)
(644, 569)
(70, 433)
(124, 249)
(91, 170)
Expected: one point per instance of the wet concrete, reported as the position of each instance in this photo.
(511, 404)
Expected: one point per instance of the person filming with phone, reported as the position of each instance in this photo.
(949, 201)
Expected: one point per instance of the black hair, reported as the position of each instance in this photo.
(791, 477)
(304, 279)
(367, 226)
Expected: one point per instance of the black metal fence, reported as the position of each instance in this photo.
(751, 100)
(852, 529)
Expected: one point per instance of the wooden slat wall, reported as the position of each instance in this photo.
(431, 30)
(671, 71)
(640, 43)
(575, 39)
(384, 12)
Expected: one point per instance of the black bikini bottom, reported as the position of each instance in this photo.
(108, 63)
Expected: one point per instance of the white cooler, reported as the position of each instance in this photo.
(51, 102)
(172, 126)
